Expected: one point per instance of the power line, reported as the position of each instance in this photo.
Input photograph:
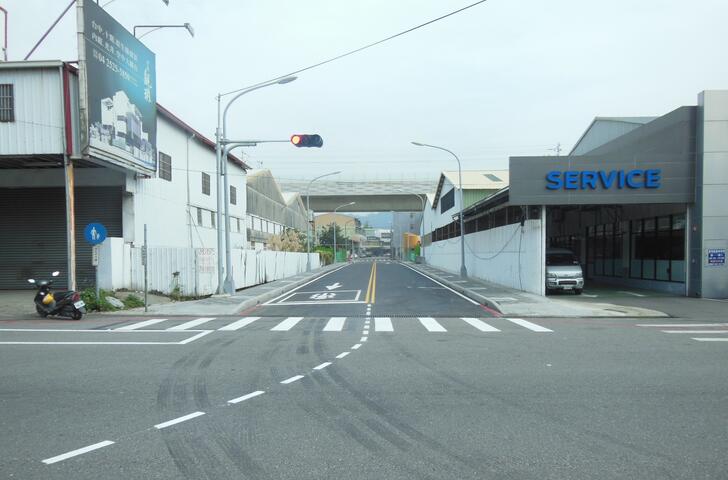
(351, 52)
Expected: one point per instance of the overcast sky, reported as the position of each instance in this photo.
(508, 77)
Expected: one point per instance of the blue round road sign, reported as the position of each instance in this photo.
(94, 233)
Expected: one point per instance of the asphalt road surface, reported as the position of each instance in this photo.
(372, 371)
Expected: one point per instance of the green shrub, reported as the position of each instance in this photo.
(132, 301)
(93, 304)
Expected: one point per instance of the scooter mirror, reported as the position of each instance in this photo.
(56, 273)
(30, 280)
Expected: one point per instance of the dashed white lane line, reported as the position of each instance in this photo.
(239, 324)
(195, 337)
(363, 339)
(80, 451)
(335, 324)
(246, 397)
(694, 332)
(679, 325)
(322, 366)
(480, 325)
(143, 324)
(631, 293)
(383, 324)
(177, 420)
(286, 324)
(431, 324)
(356, 347)
(190, 324)
(526, 324)
(710, 339)
(342, 354)
(292, 379)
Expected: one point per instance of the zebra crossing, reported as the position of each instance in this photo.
(700, 332)
(336, 324)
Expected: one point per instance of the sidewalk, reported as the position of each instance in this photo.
(516, 303)
(231, 304)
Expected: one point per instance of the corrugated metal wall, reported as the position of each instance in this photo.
(33, 232)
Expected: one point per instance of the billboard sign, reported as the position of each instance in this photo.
(118, 88)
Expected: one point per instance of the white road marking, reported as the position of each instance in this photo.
(631, 293)
(588, 295)
(356, 347)
(335, 324)
(525, 323)
(431, 324)
(695, 331)
(322, 366)
(444, 286)
(679, 325)
(480, 325)
(143, 324)
(193, 338)
(286, 324)
(711, 339)
(239, 324)
(292, 379)
(363, 339)
(383, 324)
(503, 299)
(177, 420)
(89, 343)
(246, 397)
(190, 324)
(301, 286)
(80, 451)
(342, 355)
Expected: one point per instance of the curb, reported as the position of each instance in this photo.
(460, 289)
(276, 292)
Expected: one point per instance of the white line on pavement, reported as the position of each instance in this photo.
(678, 325)
(335, 324)
(286, 324)
(588, 295)
(80, 451)
(383, 324)
(246, 397)
(143, 324)
(480, 325)
(711, 339)
(177, 420)
(695, 331)
(239, 324)
(630, 293)
(342, 355)
(323, 365)
(301, 286)
(190, 324)
(292, 379)
(356, 347)
(195, 337)
(89, 343)
(525, 323)
(363, 339)
(444, 286)
(431, 324)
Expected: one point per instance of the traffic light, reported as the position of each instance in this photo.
(307, 140)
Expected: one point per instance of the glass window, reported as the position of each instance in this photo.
(199, 216)
(648, 249)
(635, 265)
(212, 219)
(7, 103)
(447, 201)
(677, 249)
(662, 249)
(205, 183)
(165, 167)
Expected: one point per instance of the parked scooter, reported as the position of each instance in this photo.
(64, 304)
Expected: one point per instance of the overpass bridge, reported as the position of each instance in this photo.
(370, 196)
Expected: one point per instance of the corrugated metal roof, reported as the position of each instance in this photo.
(473, 180)
(605, 129)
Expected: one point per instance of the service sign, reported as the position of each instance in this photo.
(120, 92)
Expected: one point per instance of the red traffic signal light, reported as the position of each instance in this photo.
(299, 140)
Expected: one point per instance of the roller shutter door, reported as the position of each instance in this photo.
(33, 232)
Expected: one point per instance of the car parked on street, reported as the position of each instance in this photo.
(563, 271)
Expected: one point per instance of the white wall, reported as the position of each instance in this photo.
(170, 208)
(434, 218)
(510, 255)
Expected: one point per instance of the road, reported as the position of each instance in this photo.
(371, 371)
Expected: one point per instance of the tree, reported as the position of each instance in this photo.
(291, 240)
(326, 237)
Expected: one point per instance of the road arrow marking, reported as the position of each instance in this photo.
(323, 296)
(334, 286)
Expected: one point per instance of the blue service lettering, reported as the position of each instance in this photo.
(593, 180)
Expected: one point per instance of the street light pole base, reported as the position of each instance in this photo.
(229, 286)
(463, 272)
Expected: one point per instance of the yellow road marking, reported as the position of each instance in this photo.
(374, 284)
(369, 287)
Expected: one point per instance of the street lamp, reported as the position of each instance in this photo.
(228, 284)
(463, 270)
(335, 210)
(308, 220)
(422, 223)
(154, 28)
(166, 2)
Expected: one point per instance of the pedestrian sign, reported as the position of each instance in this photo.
(94, 233)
